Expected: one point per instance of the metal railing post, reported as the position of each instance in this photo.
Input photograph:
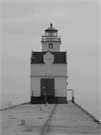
(45, 98)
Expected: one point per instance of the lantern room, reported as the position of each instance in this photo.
(51, 41)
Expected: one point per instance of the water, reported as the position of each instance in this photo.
(14, 98)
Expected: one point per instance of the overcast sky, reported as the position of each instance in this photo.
(23, 24)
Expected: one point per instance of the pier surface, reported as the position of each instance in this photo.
(61, 119)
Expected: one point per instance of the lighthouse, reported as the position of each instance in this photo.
(48, 73)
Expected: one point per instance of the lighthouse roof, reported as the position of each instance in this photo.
(59, 57)
(51, 28)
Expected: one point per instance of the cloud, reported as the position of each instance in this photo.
(60, 13)
(42, 13)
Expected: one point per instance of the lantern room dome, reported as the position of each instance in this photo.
(51, 29)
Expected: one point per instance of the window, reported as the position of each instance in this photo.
(50, 46)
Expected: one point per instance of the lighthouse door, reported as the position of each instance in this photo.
(47, 86)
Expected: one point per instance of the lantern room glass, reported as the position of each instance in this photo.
(49, 34)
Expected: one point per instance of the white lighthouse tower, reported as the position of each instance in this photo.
(49, 70)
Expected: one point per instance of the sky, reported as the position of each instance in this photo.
(23, 23)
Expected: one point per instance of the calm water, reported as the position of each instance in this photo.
(15, 98)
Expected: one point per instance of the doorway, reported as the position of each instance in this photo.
(47, 88)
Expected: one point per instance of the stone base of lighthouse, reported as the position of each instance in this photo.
(50, 100)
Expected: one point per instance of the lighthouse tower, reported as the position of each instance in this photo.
(49, 71)
(51, 41)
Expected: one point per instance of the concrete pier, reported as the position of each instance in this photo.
(67, 119)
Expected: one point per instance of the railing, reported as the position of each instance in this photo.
(73, 99)
(51, 38)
